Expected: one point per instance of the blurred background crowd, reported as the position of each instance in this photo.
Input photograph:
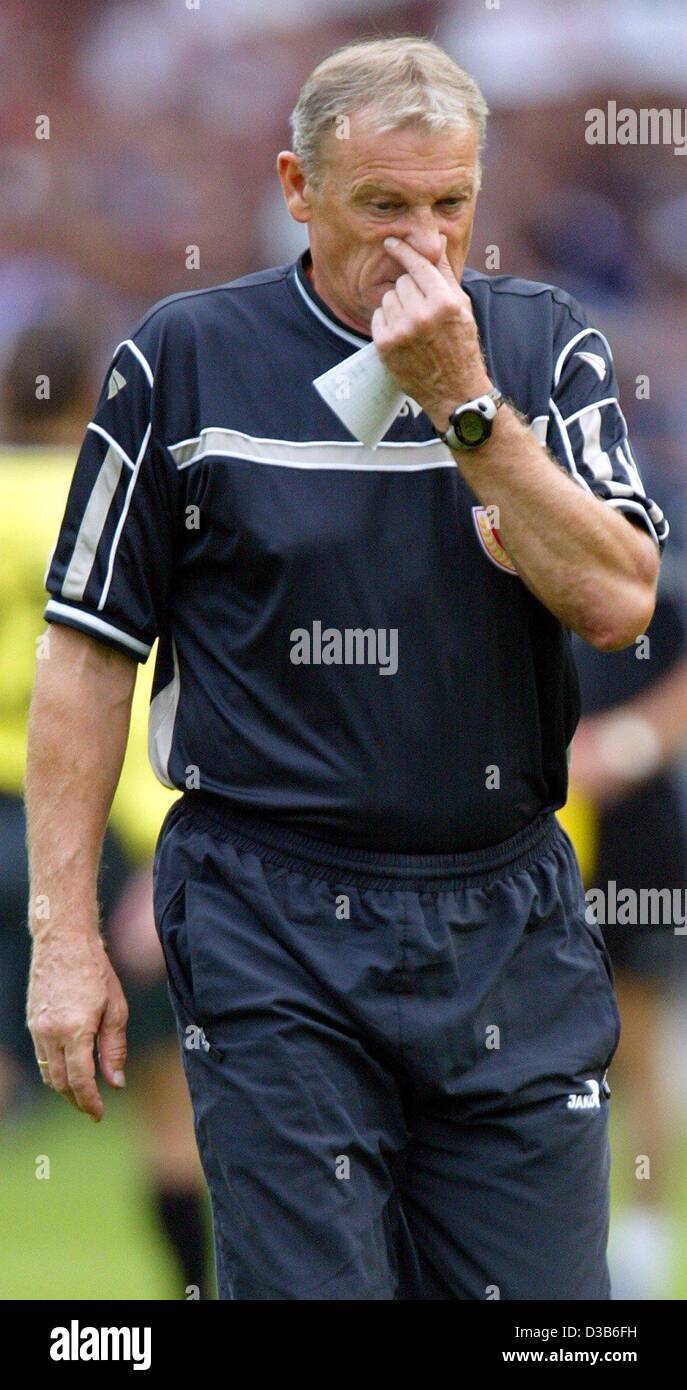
(154, 173)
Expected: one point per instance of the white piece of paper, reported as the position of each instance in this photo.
(364, 395)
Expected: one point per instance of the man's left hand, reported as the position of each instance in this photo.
(425, 332)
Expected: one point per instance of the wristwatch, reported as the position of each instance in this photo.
(470, 425)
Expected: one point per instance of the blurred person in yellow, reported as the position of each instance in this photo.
(47, 385)
(626, 818)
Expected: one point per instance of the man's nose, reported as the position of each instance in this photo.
(424, 235)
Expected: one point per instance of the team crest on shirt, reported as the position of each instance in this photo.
(490, 539)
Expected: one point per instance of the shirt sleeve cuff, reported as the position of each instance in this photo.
(95, 626)
(634, 511)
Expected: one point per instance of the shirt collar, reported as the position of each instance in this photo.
(326, 316)
(317, 306)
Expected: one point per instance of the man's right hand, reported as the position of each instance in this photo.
(78, 728)
(75, 998)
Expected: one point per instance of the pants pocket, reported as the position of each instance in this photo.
(171, 924)
(605, 965)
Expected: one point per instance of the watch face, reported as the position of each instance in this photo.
(471, 427)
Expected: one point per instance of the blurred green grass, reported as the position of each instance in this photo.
(88, 1232)
(624, 1185)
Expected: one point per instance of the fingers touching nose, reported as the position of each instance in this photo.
(424, 237)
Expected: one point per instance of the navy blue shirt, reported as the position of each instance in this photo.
(344, 646)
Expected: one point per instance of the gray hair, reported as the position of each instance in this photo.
(397, 81)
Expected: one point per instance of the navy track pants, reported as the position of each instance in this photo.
(396, 1062)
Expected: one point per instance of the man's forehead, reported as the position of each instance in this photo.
(411, 152)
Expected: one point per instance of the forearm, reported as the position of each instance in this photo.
(78, 729)
(589, 565)
(581, 558)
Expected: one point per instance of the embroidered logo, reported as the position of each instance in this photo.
(590, 1101)
(115, 384)
(595, 361)
(491, 541)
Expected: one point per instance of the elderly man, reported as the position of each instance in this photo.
(395, 1019)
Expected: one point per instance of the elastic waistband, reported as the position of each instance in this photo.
(277, 844)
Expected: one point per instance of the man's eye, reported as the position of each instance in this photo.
(452, 202)
(381, 206)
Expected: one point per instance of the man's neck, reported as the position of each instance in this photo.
(340, 313)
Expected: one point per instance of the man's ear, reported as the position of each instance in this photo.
(295, 187)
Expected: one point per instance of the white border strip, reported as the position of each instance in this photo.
(130, 344)
(334, 327)
(325, 467)
(576, 476)
(586, 332)
(593, 456)
(623, 505)
(626, 460)
(98, 429)
(328, 454)
(596, 405)
(161, 720)
(63, 610)
(122, 519)
(93, 522)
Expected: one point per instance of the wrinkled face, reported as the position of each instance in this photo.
(410, 183)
